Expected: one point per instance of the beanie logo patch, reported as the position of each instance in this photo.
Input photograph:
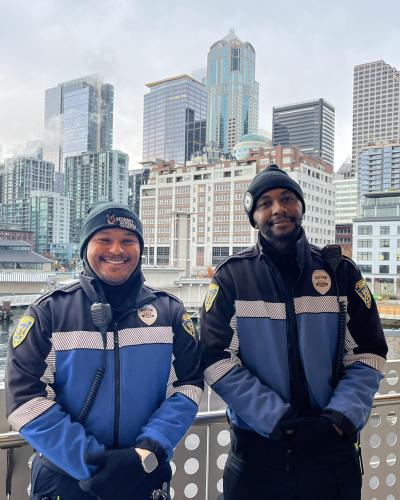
(321, 281)
(148, 314)
(248, 201)
(123, 222)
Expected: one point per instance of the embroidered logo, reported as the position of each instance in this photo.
(123, 222)
(22, 330)
(363, 292)
(188, 326)
(211, 295)
(321, 281)
(148, 314)
(248, 201)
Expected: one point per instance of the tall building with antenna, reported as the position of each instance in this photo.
(232, 92)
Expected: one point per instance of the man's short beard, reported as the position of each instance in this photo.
(284, 241)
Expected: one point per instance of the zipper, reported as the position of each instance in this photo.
(117, 386)
(295, 365)
(300, 396)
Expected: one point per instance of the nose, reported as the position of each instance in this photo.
(116, 247)
(278, 208)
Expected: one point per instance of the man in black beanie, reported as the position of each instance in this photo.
(104, 375)
(292, 341)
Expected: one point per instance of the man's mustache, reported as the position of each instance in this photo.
(284, 218)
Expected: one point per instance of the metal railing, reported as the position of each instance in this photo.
(200, 458)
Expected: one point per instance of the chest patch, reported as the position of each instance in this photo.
(148, 314)
(22, 330)
(363, 292)
(321, 281)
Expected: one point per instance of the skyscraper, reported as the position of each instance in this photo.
(309, 125)
(379, 168)
(232, 92)
(78, 119)
(93, 177)
(376, 88)
(174, 119)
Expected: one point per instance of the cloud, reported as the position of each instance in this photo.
(303, 51)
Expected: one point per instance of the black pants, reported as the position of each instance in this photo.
(50, 483)
(260, 469)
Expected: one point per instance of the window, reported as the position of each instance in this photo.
(364, 256)
(383, 269)
(384, 243)
(162, 256)
(364, 229)
(364, 243)
(219, 254)
(366, 268)
(384, 230)
(384, 256)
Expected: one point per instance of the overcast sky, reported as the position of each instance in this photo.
(304, 49)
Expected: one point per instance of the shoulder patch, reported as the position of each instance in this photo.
(211, 295)
(22, 330)
(188, 325)
(363, 291)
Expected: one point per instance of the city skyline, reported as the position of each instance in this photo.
(301, 57)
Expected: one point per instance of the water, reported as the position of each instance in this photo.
(7, 328)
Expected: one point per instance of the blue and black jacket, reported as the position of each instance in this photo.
(251, 325)
(150, 391)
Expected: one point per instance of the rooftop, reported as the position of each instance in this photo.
(173, 78)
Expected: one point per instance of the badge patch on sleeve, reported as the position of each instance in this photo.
(363, 292)
(211, 295)
(22, 330)
(188, 325)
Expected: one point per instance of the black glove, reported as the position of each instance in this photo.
(307, 436)
(120, 475)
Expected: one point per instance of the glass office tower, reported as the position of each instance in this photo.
(232, 92)
(308, 125)
(174, 119)
(78, 118)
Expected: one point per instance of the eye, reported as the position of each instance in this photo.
(288, 199)
(264, 204)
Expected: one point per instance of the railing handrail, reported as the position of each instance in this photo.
(13, 439)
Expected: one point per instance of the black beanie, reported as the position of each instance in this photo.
(107, 215)
(270, 178)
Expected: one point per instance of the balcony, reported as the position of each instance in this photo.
(200, 458)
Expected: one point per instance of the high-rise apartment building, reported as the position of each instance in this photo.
(232, 92)
(193, 215)
(78, 118)
(309, 126)
(50, 219)
(346, 203)
(136, 178)
(379, 168)
(21, 176)
(174, 119)
(92, 177)
(376, 89)
(376, 242)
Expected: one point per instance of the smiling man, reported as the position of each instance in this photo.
(104, 375)
(292, 342)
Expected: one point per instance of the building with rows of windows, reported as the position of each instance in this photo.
(376, 242)
(193, 215)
